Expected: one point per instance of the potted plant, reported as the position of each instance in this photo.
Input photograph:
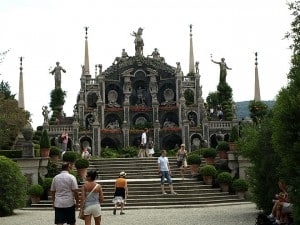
(81, 166)
(222, 148)
(208, 172)
(54, 153)
(47, 185)
(70, 157)
(209, 154)
(35, 191)
(233, 138)
(240, 186)
(224, 179)
(44, 144)
(194, 161)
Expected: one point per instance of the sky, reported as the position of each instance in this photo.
(47, 31)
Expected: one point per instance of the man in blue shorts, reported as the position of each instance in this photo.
(165, 172)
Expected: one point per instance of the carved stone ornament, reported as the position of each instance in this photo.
(169, 94)
(140, 120)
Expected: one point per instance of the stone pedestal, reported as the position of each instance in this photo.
(32, 168)
(244, 164)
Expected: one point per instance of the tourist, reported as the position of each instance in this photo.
(165, 172)
(85, 153)
(121, 193)
(64, 196)
(91, 197)
(181, 157)
(65, 138)
(143, 145)
(150, 148)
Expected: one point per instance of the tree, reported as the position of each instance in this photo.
(286, 119)
(255, 144)
(12, 118)
(12, 188)
(257, 110)
(225, 100)
(57, 102)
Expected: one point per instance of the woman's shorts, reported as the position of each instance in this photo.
(94, 210)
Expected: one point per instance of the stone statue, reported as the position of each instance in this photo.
(155, 54)
(138, 41)
(113, 125)
(178, 68)
(45, 113)
(140, 95)
(57, 75)
(197, 67)
(223, 69)
(169, 124)
(123, 57)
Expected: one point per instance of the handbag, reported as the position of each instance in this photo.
(179, 163)
(81, 214)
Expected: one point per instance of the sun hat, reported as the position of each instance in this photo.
(182, 145)
(123, 174)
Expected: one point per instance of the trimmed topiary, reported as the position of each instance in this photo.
(223, 146)
(224, 178)
(82, 163)
(35, 190)
(209, 152)
(44, 141)
(47, 183)
(12, 188)
(240, 185)
(208, 170)
(54, 151)
(193, 159)
(69, 156)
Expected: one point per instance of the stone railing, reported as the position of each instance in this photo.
(220, 125)
(54, 129)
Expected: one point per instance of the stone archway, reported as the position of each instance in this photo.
(171, 141)
(108, 142)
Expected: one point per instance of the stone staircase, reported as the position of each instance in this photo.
(144, 185)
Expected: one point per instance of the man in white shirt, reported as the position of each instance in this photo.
(143, 146)
(64, 196)
(165, 172)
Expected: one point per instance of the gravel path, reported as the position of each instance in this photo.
(243, 214)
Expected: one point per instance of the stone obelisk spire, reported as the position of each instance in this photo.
(192, 64)
(21, 104)
(86, 54)
(256, 87)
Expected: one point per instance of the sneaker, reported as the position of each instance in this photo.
(114, 211)
(173, 193)
(165, 193)
(122, 213)
(270, 216)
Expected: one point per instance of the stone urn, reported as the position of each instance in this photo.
(27, 132)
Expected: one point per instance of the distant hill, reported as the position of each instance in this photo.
(242, 110)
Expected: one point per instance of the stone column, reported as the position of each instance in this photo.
(185, 134)
(156, 135)
(125, 129)
(96, 148)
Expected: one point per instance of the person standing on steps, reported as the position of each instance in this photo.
(181, 157)
(121, 193)
(165, 172)
(143, 145)
(65, 139)
(92, 196)
(64, 196)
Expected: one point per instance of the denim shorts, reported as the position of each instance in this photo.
(165, 174)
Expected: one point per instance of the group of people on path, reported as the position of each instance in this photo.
(64, 191)
(146, 146)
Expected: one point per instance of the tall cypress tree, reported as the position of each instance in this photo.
(286, 121)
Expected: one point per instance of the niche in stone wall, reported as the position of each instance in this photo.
(189, 97)
(112, 121)
(192, 117)
(108, 142)
(196, 141)
(171, 141)
(141, 121)
(92, 99)
(169, 120)
(167, 94)
(113, 95)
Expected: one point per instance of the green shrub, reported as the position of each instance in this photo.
(109, 153)
(52, 169)
(54, 151)
(47, 183)
(35, 190)
(209, 152)
(193, 158)
(223, 146)
(44, 141)
(234, 134)
(240, 185)
(11, 153)
(12, 188)
(82, 163)
(224, 178)
(70, 156)
(129, 152)
(208, 170)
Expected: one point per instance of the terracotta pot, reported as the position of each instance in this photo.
(232, 146)
(207, 180)
(45, 152)
(194, 168)
(82, 173)
(35, 199)
(210, 161)
(222, 154)
(224, 187)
